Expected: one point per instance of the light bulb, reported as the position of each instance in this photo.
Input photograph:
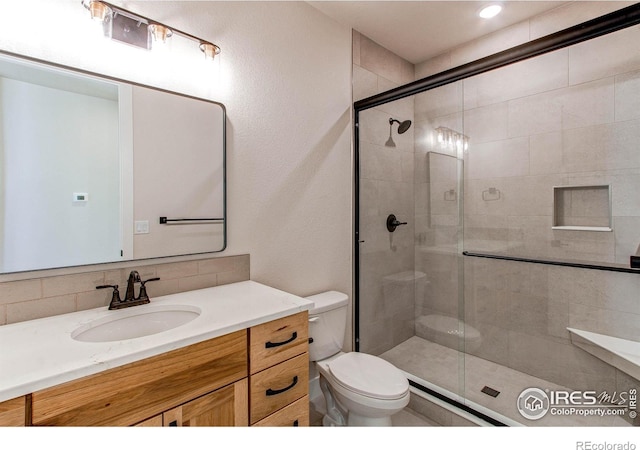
(490, 11)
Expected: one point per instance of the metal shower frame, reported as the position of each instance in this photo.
(600, 26)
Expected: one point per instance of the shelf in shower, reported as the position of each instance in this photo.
(622, 354)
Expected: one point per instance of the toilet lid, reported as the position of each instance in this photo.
(369, 375)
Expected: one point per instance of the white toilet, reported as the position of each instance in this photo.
(359, 389)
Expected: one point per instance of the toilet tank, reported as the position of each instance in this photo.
(327, 324)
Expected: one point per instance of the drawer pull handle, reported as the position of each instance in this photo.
(280, 391)
(278, 344)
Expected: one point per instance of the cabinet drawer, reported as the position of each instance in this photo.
(12, 412)
(295, 414)
(277, 386)
(128, 394)
(273, 342)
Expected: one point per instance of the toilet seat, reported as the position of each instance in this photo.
(369, 376)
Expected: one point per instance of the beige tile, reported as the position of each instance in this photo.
(603, 147)
(433, 66)
(71, 284)
(567, 365)
(233, 277)
(374, 127)
(493, 43)
(625, 186)
(408, 71)
(198, 282)
(489, 123)
(578, 106)
(616, 54)
(503, 158)
(16, 291)
(365, 83)
(35, 309)
(177, 270)
(355, 40)
(163, 287)
(224, 264)
(570, 14)
(400, 110)
(545, 153)
(439, 102)
(627, 242)
(409, 418)
(431, 411)
(544, 73)
(385, 84)
(96, 299)
(380, 61)
(627, 92)
(3, 314)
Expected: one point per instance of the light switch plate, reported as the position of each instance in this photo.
(141, 227)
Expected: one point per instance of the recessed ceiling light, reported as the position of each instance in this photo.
(490, 11)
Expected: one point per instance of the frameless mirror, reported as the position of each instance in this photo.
(96, 170)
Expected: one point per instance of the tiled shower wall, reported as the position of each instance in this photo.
(565, 118)
(386, 187)
(48, 296)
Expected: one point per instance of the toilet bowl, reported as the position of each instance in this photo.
(359, 389)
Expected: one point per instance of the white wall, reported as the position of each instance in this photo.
(284, 76)
(44, 132)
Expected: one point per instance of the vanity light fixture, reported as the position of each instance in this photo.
(490, 11)
(210, 50)
(98, 10)
(160, 33)
(133, 29)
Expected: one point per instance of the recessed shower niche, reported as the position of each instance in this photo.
(586, 208)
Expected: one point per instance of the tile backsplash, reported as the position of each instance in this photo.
(48, 296)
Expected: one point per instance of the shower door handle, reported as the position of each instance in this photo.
(393, 223)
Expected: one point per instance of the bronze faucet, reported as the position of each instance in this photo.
(129, 299)
(134, 277)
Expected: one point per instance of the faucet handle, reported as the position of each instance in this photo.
(142, 295)
(115, 298)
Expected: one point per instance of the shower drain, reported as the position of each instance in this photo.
(490, 391)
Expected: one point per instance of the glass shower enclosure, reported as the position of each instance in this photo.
(497, 228)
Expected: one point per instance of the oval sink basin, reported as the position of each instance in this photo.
(135, 323)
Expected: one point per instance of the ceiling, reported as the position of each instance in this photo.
(420, 30)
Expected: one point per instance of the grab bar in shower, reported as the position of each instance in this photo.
(551, 262)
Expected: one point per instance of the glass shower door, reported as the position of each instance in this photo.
(410, 274)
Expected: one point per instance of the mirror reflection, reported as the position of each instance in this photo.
(89, 165)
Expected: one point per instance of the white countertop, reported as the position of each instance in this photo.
(41, 353)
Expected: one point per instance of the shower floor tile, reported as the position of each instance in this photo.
(444, 367)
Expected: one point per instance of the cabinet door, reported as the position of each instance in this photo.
(226, 407)
(12, 412)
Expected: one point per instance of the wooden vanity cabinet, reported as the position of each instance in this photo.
(257, 376)
(13, 412)
(225, 407)
(279, 372)
(135, 392)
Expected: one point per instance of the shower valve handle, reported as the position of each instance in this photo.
(393, 223)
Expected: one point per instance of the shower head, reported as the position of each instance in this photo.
(402, 126)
